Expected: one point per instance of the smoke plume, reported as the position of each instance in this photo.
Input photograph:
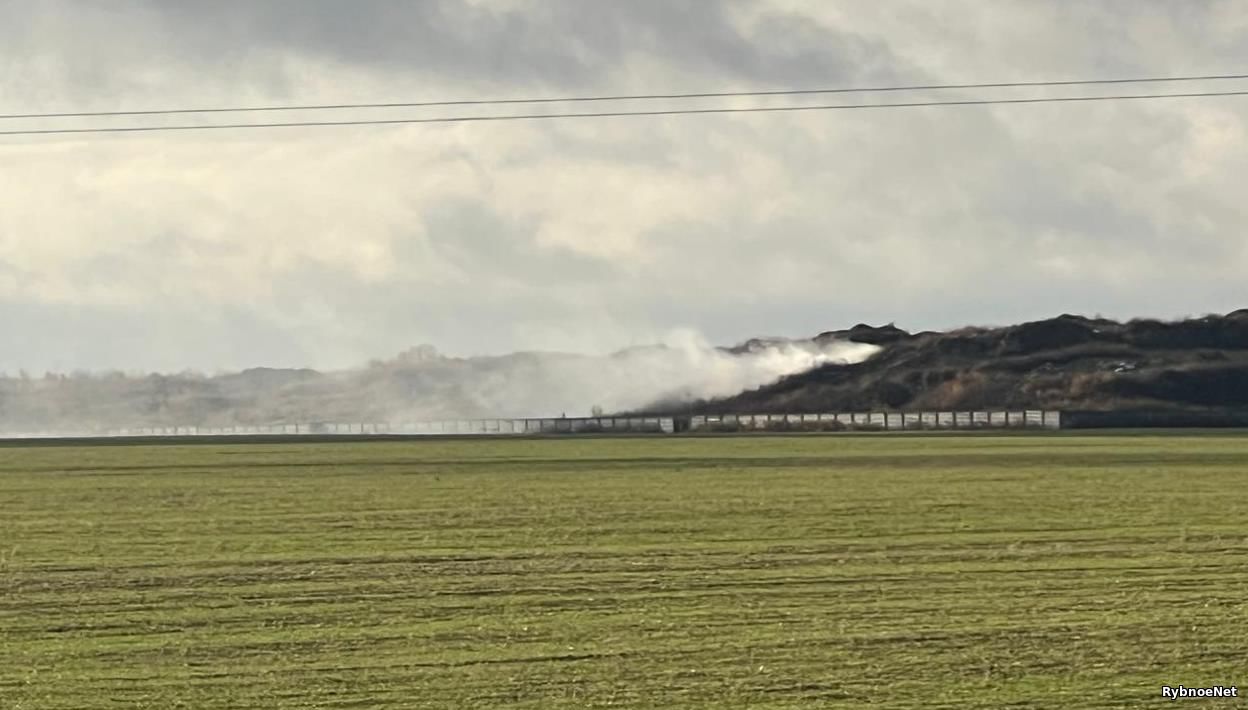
(417, 385)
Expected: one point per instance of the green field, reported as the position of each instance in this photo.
(771, 572)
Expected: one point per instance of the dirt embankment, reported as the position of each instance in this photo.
(1068, 362)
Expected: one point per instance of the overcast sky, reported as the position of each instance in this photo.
(324, 247)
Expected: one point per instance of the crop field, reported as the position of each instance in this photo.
(939, 571)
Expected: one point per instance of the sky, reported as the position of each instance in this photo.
(325, 247)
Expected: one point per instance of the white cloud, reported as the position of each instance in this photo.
(342, 244)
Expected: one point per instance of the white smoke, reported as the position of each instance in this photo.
(686, 368)
(418, 385)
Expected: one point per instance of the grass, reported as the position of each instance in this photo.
(775, 572)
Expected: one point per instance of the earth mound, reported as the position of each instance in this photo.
(1069, 362)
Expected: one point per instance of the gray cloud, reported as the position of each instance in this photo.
(329, 247)
(557, 45)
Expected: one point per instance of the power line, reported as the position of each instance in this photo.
(626, 97)
(616, 114)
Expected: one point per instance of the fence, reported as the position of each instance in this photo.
(844, 421)
(446, 427)
(849, 421)
(879, 421)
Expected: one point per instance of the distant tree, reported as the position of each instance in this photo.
(158, 394)
(418, 354)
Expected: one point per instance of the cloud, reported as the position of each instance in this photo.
(325, 247)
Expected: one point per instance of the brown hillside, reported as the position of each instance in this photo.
(1067, 362)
